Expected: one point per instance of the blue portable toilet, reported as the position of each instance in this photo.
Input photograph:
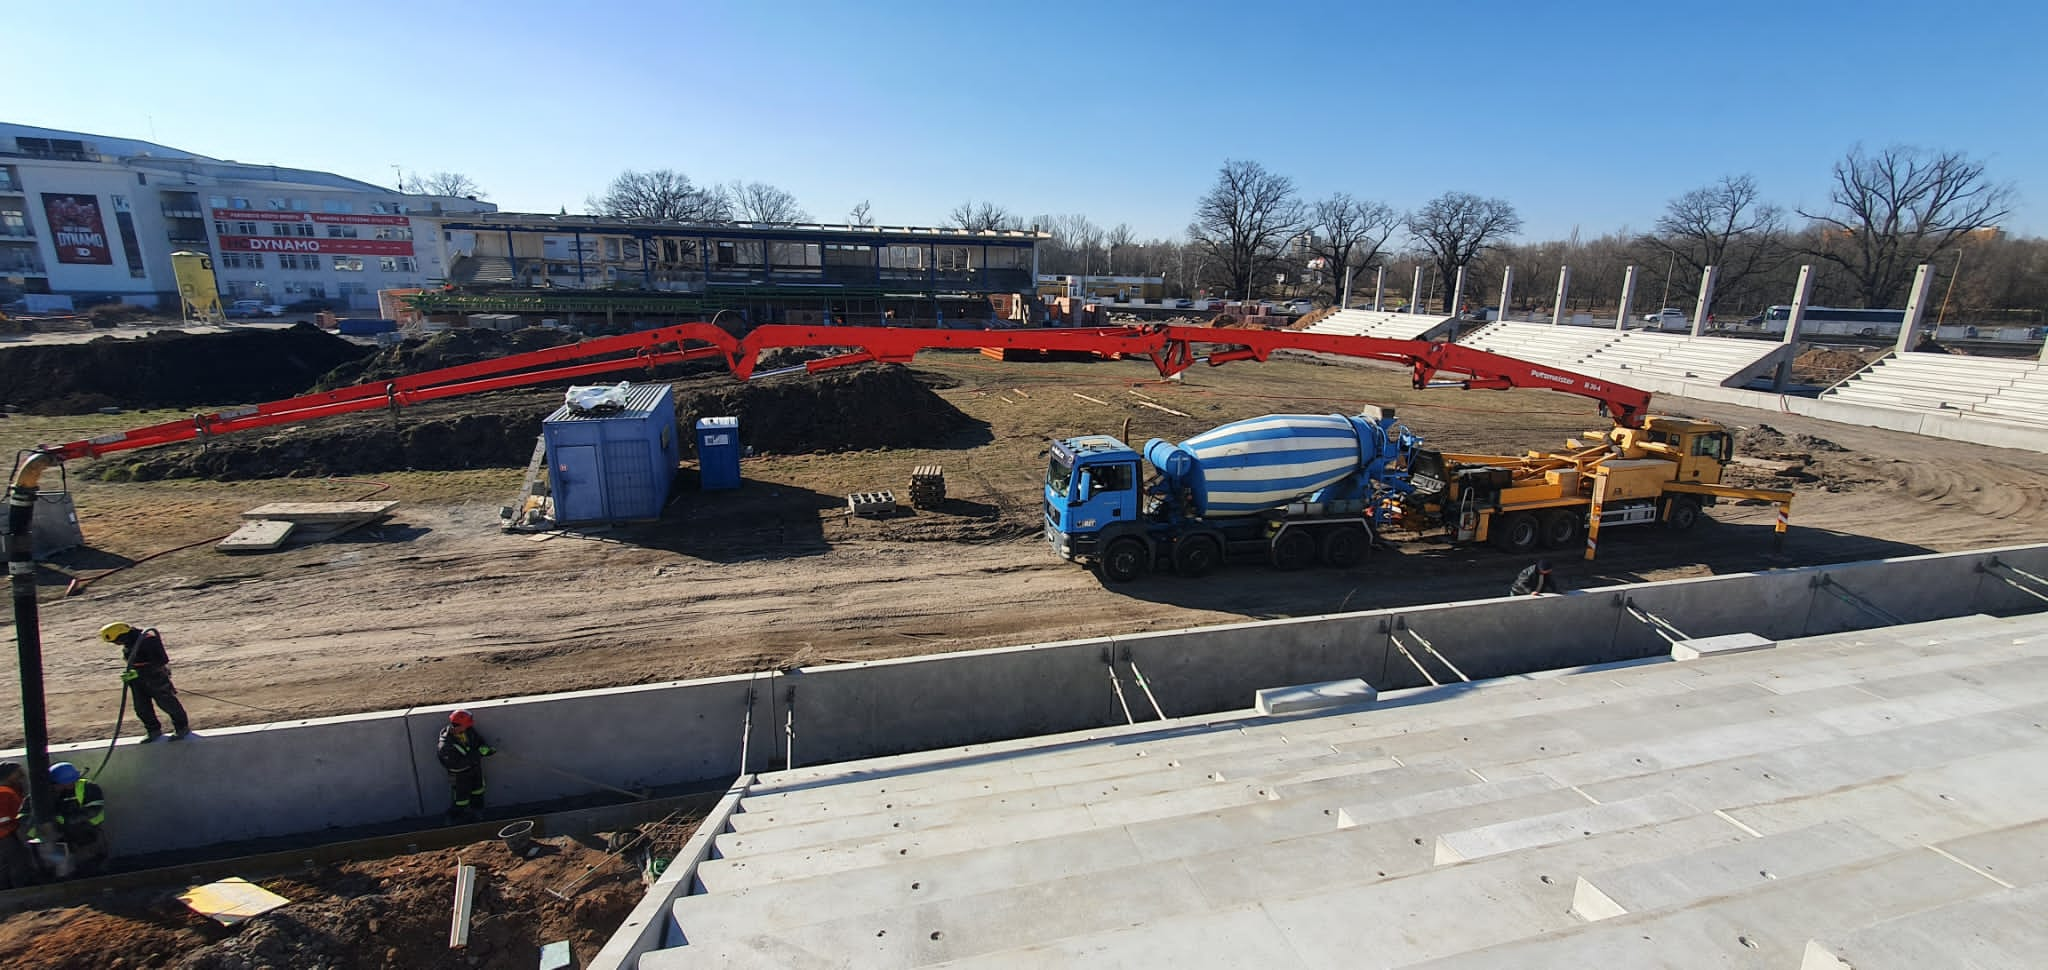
(718, 452)
(613, 465)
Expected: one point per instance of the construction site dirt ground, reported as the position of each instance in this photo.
(391, 913)
(438, 605)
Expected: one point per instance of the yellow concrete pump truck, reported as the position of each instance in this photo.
(1665, 472)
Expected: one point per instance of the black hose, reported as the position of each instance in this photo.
(28, 635)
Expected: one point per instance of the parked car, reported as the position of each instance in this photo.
(1298, 306)
(1669, 318)
(1184, 304)
(313, 305)
(248, 309)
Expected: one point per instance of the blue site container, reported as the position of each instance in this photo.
(613, 466)
(364, 326)
(718, 452)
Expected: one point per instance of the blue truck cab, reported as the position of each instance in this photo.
(1091, 494)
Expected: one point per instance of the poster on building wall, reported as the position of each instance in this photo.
(80, 232)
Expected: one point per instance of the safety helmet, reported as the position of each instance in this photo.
(64, 772)
(115, 631)
(462, 720)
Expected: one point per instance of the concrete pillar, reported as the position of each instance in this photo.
(1457, 294)
(1628, 296)
(1507, 289)
(1415, 293)
(1706, 303)
(1916, 306)
(1379, 287)
(1800, 295)
(1344, 302)
(1564, 289)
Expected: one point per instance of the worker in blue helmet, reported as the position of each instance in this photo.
(81, 808)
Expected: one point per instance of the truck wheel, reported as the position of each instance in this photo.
(1293, 549)
(1345, 546)
(1517, 532)
(1124, 560)
(1562, 528)
(1196, 556)
(1685, 513)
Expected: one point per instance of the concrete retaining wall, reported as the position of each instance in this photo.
(304, 777)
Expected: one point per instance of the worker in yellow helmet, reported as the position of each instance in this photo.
(148, 676)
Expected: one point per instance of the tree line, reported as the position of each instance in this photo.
(1252, 235)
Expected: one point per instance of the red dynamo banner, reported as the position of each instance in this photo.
(324, 218)
(81, 234)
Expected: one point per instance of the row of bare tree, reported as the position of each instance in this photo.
(1252, 235)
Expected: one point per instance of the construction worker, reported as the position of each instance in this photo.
(81, 807)
(462, 751)
(148, 676)
(17, 864)
(1534, 581)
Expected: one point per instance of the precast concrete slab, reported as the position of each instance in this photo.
(1728, 809)
(1304, 698)
(1723, 870)
(1768, 927)
(1722, 645)
(1983, 932)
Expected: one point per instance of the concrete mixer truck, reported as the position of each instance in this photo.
(1294, 489)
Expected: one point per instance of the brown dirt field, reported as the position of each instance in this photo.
(385, 914)
(439, 606)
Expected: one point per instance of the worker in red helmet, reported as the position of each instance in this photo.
(17, 865)
(462, 751)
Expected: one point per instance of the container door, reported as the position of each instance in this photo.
(630, 484)
(579, 492)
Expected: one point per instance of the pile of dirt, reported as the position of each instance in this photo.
(1823, 366)
(1764, 441)
(388, 913)
(447, 349)
(876, 406)
(170, 369)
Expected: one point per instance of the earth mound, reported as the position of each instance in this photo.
(171, 369)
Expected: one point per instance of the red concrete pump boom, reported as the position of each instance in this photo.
(1171, 349)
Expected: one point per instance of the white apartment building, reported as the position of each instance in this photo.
(94, 217)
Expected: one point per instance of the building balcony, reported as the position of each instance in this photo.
(9, 186)
(188, 239)
(182, 212)
(9, 231)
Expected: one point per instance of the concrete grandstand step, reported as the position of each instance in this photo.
(1410, 915)
(1995, 790)
(1304, 809)
(2016, 855)
(1262, 769)
(1723, 869)
(857, 852)
(1768, 927)
(1479, 842)
(1981, 932)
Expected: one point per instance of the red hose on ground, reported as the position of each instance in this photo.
(78, 584)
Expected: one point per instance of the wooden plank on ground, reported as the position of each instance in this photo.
(262, 535)
(320, 511)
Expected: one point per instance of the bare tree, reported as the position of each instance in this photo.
(977, 216)
(1725, 225)
(454, 184)
(664, 195)
(1457, 227)
(1349, 233)
(1243, 223)
(860, 215)
(1122, 238)
(761, 202)
(1901, 207)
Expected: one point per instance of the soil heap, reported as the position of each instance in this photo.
(446, 349)
(388, 914)
(872, 406)
(170, 369)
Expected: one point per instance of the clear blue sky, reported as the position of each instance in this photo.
(1121, 111)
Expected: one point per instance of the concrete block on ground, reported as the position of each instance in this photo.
(1303, 698)
(1524, 833)
(1726, 643)
(1723, 870)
